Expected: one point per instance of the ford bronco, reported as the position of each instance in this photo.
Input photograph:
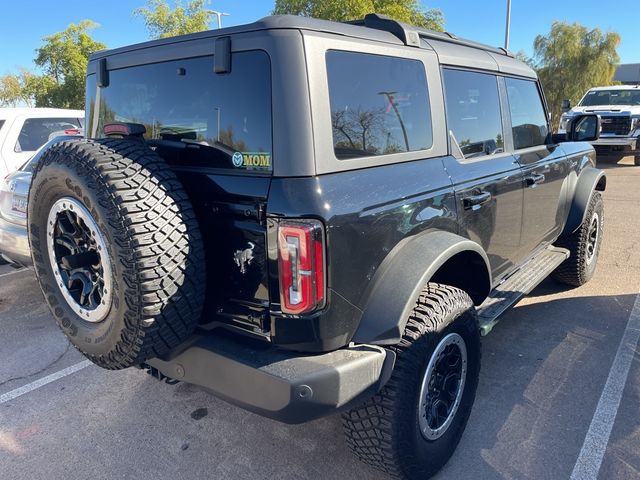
(306, 217)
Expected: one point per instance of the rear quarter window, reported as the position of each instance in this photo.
(224, 121)
(379, 104)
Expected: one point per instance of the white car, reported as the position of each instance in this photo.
(25, 130)
(619, 110)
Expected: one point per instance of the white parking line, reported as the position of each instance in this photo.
(41, 382)
(14, 272)
(595, 444)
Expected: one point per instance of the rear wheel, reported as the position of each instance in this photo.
(116, 249)
(412, 427)
(583, 245)
(636, 160)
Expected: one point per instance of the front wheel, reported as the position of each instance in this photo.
(636, 160)
(412, 426)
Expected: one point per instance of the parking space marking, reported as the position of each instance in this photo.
(14, 272)
(595, 443)
(41, 382)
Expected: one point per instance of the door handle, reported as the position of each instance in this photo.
(534, 180)
(476, 200)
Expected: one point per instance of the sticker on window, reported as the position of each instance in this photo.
(252, 160)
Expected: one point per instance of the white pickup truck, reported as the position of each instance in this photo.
(619, 109)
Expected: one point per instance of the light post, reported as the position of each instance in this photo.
(218, 16)
(392, 101)
(508, 27)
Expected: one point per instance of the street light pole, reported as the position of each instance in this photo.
(218, 16)
(508, 27)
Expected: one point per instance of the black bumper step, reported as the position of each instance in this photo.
(286, 386)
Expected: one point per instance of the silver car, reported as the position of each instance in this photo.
(14, 191)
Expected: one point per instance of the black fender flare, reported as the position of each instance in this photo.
(590, 179)
(403, 274)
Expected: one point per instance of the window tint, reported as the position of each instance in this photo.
(36, 131)
(379, 104)
(528, 120)
(473, 112)
(224, 119)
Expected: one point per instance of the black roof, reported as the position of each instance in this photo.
(372, 27)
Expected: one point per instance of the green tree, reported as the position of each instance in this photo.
(17, 89)
(572, 59)
(409, 11)
(162, 21)
(63, 58)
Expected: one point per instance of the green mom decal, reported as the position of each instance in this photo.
(252, 160)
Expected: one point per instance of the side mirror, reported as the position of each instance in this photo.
(584, 128)
(566, 106)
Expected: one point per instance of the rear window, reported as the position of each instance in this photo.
(36, 131)
(224, 120)
(379, 104)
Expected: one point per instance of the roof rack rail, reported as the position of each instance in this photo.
(411, 35)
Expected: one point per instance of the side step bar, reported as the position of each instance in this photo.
(517, 285)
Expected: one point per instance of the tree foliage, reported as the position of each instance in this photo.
(572, 59)
(17, 89)
(162, 21)
(409, 11)
(63, 59)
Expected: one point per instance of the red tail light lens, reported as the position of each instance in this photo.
(301, 266)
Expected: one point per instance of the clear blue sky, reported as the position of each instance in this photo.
(24, 23)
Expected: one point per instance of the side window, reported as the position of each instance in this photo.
(379, 104)
(473, 112)
(35, 131)
(1, 124)
(528, 120)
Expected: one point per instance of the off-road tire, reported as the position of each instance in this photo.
(576, 270)
(636, 160)
(384, 432)
(152, 240)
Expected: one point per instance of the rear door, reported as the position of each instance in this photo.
(487, 178)
(545, 166)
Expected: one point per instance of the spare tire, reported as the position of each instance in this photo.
(116, 249)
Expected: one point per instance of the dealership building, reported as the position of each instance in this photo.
(628, 74)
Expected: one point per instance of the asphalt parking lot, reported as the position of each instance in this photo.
(544, 371)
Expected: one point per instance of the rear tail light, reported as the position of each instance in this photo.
(301, 265)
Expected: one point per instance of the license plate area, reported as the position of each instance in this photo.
(19, 204)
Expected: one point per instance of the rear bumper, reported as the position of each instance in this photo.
(284, 386)
(14, 243)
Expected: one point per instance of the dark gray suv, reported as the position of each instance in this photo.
(307, 217)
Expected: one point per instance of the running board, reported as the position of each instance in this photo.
(517, 285)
